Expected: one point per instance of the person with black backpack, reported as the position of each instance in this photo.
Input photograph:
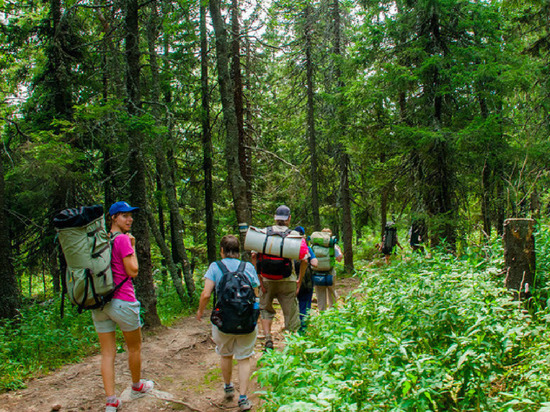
(389, 241)
(417, 234)
(123, 310)
(234, 316)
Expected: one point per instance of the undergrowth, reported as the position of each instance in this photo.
(425, 334)
(39, 341)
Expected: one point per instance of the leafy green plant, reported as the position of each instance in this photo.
(430, 333)
(41, 341)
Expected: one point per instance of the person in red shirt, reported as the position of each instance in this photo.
(277, 280)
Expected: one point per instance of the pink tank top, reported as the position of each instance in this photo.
(122, 247)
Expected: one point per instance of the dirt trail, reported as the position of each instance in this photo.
(180, 359)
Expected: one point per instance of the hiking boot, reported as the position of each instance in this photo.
(229, 392)
(113, 407)
(245, 404)
(145, 387)
(268, 344)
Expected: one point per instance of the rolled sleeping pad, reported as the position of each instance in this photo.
(324, 239)
(258, 240)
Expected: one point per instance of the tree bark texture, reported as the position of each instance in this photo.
(237, 181)
(311, 136)
(10, 301)
(145, 290)
(519, 256)
(238, 93)
(207, 143)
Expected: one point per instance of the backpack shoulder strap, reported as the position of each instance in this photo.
(241, 268)
(222, 267)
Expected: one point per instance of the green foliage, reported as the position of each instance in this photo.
(435, 333)
(41, 341)
(169, 306)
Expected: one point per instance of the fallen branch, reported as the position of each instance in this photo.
(180, 403)
(223, 408)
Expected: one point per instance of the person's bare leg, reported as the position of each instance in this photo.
(266, 323)
(226, 364)
(133, 341)
(107, 342)
(244, 375)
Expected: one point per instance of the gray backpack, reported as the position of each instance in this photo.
(87, 248)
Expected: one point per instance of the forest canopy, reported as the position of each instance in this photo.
(210, 114)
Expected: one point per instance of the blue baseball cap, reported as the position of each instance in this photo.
(282, 213)
(121, 207)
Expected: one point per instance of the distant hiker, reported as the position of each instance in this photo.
(324, 275)
(123, 310)
(417, 233)
(389, 241)
(305, 294)
(229, 345)
(277, 280)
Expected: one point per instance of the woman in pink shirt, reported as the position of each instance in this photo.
(122, 310)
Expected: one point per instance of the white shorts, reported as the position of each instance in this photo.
(239, 346)
(117, 312)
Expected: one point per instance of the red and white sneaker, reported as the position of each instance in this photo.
(113, 407)
(144, 388)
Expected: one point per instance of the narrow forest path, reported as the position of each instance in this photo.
(180, 359)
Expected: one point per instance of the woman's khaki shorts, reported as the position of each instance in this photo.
(117, 312)
(239, 346)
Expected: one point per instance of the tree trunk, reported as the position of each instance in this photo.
(519, 256)
(236, 179)
(59, 66)
(207, 143)
(383, 202)
(311, 136)
(145, 289)
(485, 198)
(244, 151)
(347, 223)
(345, 196)
(172, 268)
(166, 173)
(10, 301)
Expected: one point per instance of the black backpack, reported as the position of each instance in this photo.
(236, 309)
(307, 282)
(417, 234)
(390, 240)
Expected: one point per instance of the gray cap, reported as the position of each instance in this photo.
(282, 213)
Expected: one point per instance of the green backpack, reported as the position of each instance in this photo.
(322, 244)
(87, 248)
